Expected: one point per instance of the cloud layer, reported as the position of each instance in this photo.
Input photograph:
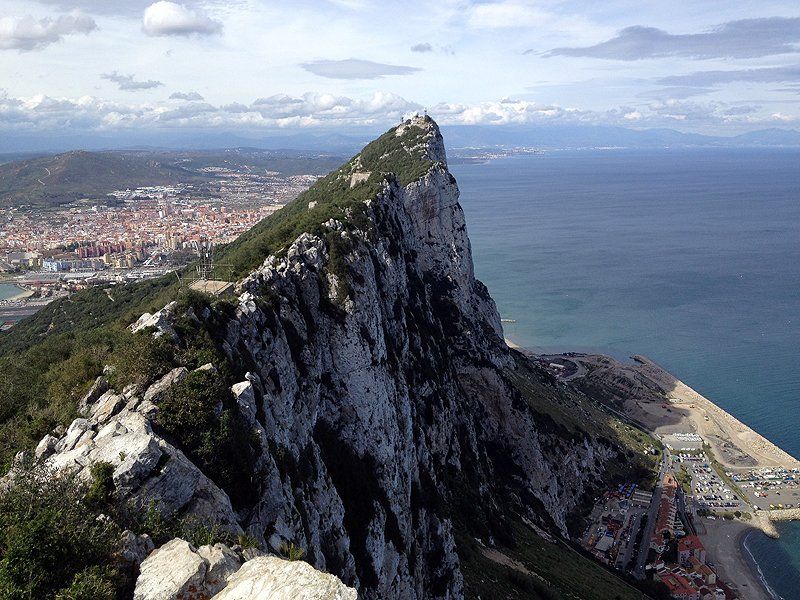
(747, 38)
(27, 33)
(764, 75)
(328, 111)
(170, 18)
(353, 68)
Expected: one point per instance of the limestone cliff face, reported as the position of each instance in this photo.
(376, 384)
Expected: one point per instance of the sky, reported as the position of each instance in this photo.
(252, 66)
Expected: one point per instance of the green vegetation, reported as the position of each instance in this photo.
(333, 197)
(54, 543)
(684, 479)
(291, 551)
(574, 415)
(536, 568)
(51, 542)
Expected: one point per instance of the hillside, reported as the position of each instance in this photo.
(49, 181)
(355, 401)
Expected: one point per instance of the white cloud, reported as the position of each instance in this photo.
(170, 18)
(129, 83)
(192, 96)
(353, 68)
(27, 33)
(316, 110)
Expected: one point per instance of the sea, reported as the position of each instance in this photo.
(688, 256)
(8, 290)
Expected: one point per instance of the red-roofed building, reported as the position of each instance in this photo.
(679, 587)
(691, 547)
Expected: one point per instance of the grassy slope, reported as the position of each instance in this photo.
(541, 569)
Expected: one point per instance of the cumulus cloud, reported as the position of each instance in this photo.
(170, 18)
(327, 111)
(44, 113)
(789, 73)
(27, 33)
(354, 68)
(424, 47)
(129, 82)
(193, 96)
(747, 38)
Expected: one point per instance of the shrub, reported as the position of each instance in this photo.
(48, 535)
(93, 583)
(101, 490)
(291, 551)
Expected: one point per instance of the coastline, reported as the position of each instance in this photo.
(21, 295)
(724, 543)
(752, 564)
(663, 404)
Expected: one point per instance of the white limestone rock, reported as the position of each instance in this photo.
(222, 563)
(172, 572)
(161, 321)
(156, 391)
(272, 578)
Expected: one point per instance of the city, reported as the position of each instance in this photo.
(137, 233)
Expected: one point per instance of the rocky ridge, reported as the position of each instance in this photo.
(374, 380)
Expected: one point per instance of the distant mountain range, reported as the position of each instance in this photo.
(37, 180)
(542, 136)
(51, 180)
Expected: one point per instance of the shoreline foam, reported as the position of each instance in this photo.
(753, 565)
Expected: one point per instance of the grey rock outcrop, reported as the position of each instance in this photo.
(147, 468)
(272, 578)
(173, 572)
(178, 571)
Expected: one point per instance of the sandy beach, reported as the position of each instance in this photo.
(724, 545)
(663, 404)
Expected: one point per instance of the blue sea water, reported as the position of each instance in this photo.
(691, 257)
(8, 290)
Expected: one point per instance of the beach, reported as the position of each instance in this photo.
(665, 406)
(724, 542)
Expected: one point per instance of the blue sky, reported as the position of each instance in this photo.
(250, 65)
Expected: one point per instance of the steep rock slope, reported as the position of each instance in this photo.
(378, 392)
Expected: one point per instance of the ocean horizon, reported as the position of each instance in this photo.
(688, 256)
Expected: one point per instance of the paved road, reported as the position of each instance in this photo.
(626, 559)
(652, 512)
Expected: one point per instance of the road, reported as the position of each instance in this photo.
(635, 524)
(45, 177)
(652, 512)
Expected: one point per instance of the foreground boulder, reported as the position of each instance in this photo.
(270, 577)
(173, 572)
(176, 571)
